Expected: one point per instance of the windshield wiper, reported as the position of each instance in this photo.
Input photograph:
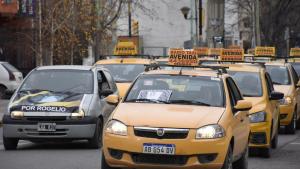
(34, 90)
(147, 100)
(190, 102)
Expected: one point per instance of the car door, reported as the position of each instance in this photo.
(104, 84)
(297, 93)
(240, 118)
(274, 104)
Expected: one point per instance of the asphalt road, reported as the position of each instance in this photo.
(77, 156)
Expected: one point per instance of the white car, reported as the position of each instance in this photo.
(10, 78)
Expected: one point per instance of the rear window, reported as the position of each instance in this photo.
(10, 67)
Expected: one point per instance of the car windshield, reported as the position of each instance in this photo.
(75, 81)
(177, 89)
(248, 82)
(125, 72)
(279, 75)
(297, 68)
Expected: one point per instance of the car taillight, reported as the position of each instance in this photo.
(11, 76)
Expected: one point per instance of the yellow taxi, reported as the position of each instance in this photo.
(256, 86)
(124, 70)
(179, 119)
(286, 80)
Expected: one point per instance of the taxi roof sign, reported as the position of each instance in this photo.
(201, 51)
(265, 51)
(251, 51)
(215, 51)
(183, 57)
(125, 48)
(295, 52)
(232, 55)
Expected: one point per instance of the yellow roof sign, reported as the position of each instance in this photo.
(215, 51)
(201, 51)
(125, 48)
(295, 52)
(183, 58)
(265, 51)
(232, 55)
(251, 51)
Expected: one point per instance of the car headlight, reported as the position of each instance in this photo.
(258, 117)
(116, 127)
(16, 114)
(286, 101)
(78, 115)
(210, 132)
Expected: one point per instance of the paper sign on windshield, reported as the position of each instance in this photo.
(232, 55)
(183, 58)
(201, 51)
(215, 51)
(265, 51)
(295, 52)
(160, 95)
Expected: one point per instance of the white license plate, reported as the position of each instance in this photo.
(166, 149)
(46, 127)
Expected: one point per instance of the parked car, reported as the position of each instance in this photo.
(60, 103)
(10, 78)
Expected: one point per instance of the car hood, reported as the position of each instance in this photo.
(46, 101)
(166, 115)
(258, 104)
(123, 87)
(285, 89)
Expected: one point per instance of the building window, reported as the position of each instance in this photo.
(7, 1)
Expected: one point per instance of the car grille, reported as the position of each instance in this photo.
(169, 133)
(159, 159)
(35, 132)
(46, 118)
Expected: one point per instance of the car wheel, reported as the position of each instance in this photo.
(298, 122)
(291, 128)
(2, 92)
(104, 164)
(228, 160)
(10, 143)
(96, 141)
(265, 152)
(242, 163)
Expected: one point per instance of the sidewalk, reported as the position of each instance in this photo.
(3, 109)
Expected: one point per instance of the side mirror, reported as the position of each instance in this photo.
(105, 93)
(276, 96)
(112, 99)
(243, 105)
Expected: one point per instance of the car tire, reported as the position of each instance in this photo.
(10, 143)
(228, 163)
(96, 141)
(104, 164)
(298, 122)
(265, 152)
(291, 128)
(2, 92)
(242, 163)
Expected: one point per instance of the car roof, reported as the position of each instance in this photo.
(65, 67)
(277, 63)
(124, 61)
(206, 72)
(246, 67)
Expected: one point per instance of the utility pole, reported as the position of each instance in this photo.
(196, 23)
(39, 58)
(257, 22)
(129, 18)
(200, 18)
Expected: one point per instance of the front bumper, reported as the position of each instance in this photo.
(188, 152)
(286, 114)
(26, 128)
(259, 136)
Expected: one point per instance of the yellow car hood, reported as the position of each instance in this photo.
(285, 89)
(170, 116)
(123, 87)
(258, 104)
